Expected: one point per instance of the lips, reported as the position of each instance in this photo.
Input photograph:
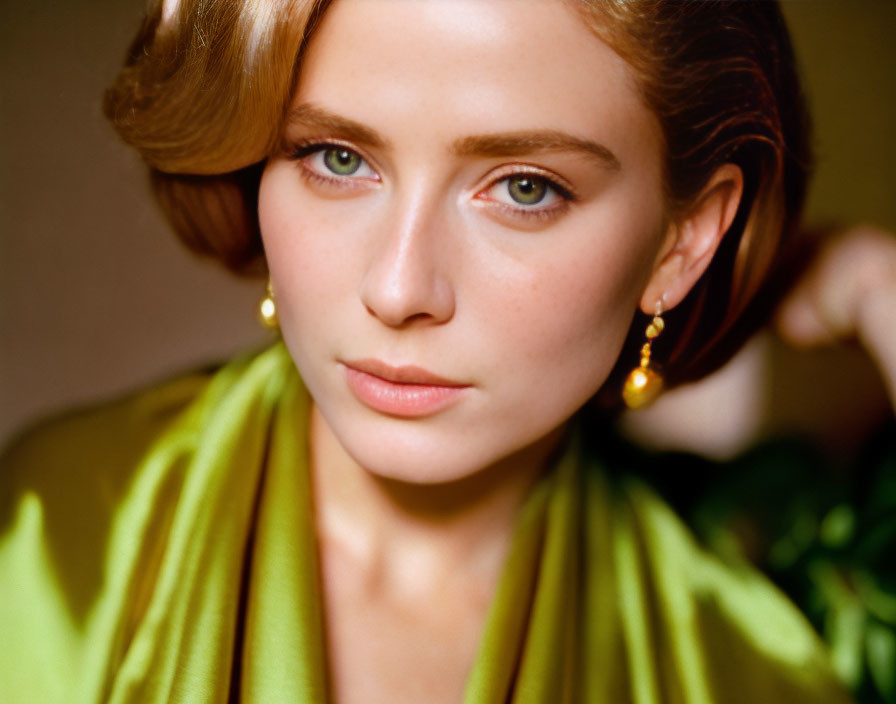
(408, 374)
(405, 391)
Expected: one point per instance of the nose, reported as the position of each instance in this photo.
(408, 279)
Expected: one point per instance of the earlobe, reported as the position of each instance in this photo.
(694, 238)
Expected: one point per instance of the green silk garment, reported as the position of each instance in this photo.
(162, 549)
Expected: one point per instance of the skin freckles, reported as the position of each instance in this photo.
(479, 198)
(421, 255)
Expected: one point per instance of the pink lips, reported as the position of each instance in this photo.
(406, 391)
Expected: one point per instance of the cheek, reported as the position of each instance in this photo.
(565, 323)
(281, 231)
(569, 331)
(306, 265)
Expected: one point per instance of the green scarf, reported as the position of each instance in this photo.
(162, 549)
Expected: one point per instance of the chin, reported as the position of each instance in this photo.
(415, 455)
(429, 452)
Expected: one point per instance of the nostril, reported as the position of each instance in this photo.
(396, 317)
(417, 317)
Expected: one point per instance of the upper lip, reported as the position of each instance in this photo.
(404, 374)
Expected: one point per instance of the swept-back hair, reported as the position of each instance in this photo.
(207, 84)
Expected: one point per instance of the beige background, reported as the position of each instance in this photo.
(97, 298)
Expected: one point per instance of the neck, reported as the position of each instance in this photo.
(415, 536)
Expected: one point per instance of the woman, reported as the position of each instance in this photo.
(462, 205)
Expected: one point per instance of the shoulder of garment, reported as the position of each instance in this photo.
(87, 508)
(700, 628)
(696, 623)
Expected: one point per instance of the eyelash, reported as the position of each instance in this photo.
(299, 152)
(565, 195)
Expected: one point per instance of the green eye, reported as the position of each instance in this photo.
(343, 162)
(527, 190)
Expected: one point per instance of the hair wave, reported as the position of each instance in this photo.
(207, 83)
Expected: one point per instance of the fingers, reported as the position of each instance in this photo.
(853, 270)
(799, 323)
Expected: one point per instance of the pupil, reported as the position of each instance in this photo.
(342, 161)
(527, 190)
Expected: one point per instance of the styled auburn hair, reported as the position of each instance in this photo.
(207, 84)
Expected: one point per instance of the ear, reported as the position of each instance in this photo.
(692, 239)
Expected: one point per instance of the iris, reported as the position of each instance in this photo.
(526, 190)
(342, 161)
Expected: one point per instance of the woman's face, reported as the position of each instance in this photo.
(461, 223)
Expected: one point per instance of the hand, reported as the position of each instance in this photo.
(849, 291)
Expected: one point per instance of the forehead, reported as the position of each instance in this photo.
(493, 65)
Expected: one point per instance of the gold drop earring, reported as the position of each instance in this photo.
(644, 383)
(267, 310)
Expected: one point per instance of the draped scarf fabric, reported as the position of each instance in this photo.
(162, 549)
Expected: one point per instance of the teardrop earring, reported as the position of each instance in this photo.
(267, 310)
(644, 382)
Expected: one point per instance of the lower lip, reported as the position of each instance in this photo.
(404, 400)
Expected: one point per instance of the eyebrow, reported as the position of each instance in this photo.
(314, 117)
(491, 145)
(528, 142)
